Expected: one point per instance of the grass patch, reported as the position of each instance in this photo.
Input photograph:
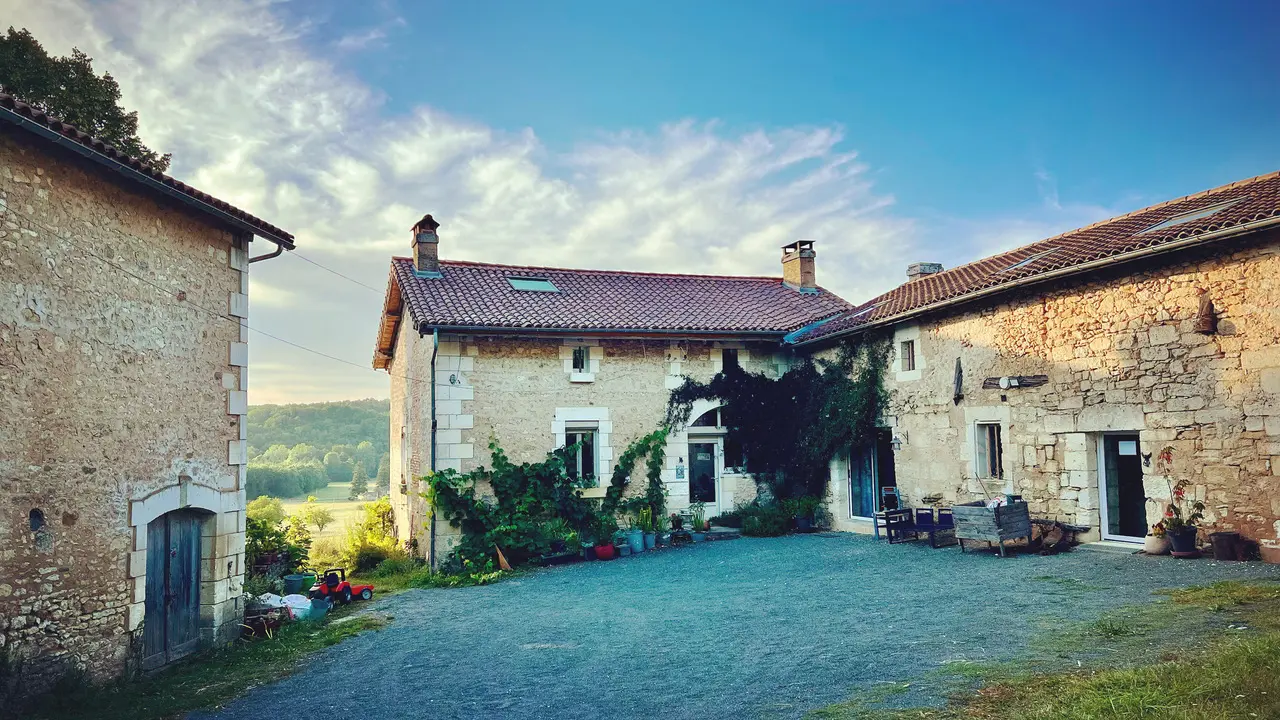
(392, 577)
(206, 681)
(1231, 671)
(1067, 583)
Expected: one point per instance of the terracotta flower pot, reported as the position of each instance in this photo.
(604, 552)
(1156, 545)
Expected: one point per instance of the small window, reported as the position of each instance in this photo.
(710, 418)
(734, 456)
(582, 462)
(908, 355)
(729, 358)
(1192, 216)
(532, 284)
(990, 451)
(1027, 261)
(581, 356)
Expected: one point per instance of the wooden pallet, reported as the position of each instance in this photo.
(976, 521)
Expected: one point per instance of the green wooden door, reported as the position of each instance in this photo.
(172, 620)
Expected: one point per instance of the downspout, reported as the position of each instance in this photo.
(274, 253)
(435, 347)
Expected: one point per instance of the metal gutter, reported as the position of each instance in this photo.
(267, 256)
(142, 178)
(1208, 237)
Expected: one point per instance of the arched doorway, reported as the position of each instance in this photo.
(171, 624)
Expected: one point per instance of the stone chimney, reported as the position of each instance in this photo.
(917, 270)
(798, 266)
(426, 254)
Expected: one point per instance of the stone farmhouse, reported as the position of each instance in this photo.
(122, 382)
(1087, 371)
(542, 357)
(1084, 372)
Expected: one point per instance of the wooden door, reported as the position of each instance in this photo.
(172, 619)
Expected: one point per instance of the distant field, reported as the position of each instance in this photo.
(333, 497)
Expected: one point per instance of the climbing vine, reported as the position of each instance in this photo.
(534, 505)
(791, 427)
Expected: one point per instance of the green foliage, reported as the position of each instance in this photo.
(333, 426)
(262, 539)
(791, 427)
(68, 88)
(371, 540)
(314, 513)
(283, 479)
(653, 448)
(267, 509)
(382, 481)
(338, 466)
(764, 519)
(359, 482)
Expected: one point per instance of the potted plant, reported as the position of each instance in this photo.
(604, 545)
(1157, 541)
(677, 522)
(802, 509)
(660, 536)
(645, 521)
(1181, 522)
(635, 538)
(621, 544)
(699, 512)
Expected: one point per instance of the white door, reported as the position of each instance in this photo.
(705, 471)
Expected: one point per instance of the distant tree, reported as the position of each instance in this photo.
(304, 453)
(253, 452)
(268, 509)
(366, 454)
(337, 466)
(313, 513)
(382, 483)
(68, 88)
(275, 455)
(359, 482)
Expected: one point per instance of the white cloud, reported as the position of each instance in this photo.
(254, 114)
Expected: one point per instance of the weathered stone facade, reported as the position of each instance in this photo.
(1121, 353)
(122, 401)
(523, 392)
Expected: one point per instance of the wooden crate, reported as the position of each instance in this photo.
(976, 521)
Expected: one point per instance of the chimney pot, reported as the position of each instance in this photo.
(798, 266)
(917, 270)
(426, 254)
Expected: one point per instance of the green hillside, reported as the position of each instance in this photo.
(348, 422)
(295, 450)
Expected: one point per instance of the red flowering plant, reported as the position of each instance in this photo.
(1179, 514)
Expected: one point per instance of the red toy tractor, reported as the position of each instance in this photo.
(333, 585)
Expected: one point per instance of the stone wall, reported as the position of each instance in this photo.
(1121, 354)
(118, 402)
(524, 392)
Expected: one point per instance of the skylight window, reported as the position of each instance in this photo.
(1191, 216)
(532, 284)
(1025, 262)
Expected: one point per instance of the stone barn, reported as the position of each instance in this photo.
(122, 404)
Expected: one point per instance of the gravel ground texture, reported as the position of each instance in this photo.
(735, 629)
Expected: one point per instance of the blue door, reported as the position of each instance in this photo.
(171, 624)
(862, 481)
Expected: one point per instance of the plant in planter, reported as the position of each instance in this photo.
(677, 522)
(803, 509)
(644, 520)
(608, 526)
(1157, 541)
(1181, 521)
(660, 536)
(635, 538)
(699, 521)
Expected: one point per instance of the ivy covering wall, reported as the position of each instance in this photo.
(790, 427)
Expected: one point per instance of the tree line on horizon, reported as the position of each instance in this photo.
(296, 449)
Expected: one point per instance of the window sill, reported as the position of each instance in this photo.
(581, 377)
(593, 492)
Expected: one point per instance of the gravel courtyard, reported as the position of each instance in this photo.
(743, 628)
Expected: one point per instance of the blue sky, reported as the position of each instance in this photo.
(662, 136)
(957, 105)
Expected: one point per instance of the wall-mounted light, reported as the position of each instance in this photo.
(899, 439)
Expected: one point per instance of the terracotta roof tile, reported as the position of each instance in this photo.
(479, 296)
(1237, 204)
(110, 154)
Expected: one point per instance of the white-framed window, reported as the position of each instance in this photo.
(908, 354)
(909, 360)
(989, 447)
(582, 463)
(716, 420)
(581, 359)
(729, 358)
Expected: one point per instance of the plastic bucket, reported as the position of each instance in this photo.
(1224, 545)
(292, 584)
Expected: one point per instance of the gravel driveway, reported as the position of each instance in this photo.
(742, 628)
